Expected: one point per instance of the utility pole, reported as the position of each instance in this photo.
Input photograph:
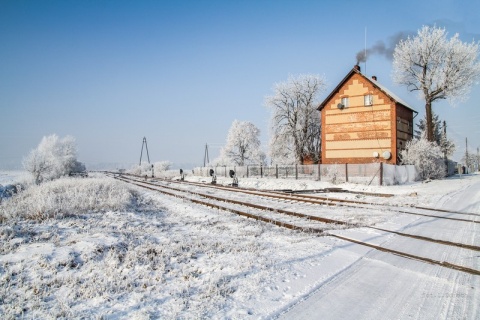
(467, 160)
(444, 146)
(141, 152)
(206, 160)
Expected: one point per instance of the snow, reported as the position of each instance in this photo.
(12, 177)
(163, 257)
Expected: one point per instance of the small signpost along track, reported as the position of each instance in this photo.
(294, 220)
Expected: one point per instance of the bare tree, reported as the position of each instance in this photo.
(437, 67)
(295, 120)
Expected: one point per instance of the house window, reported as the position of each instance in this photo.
(368, 99)
(345, 102)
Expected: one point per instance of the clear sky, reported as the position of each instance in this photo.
(180, 72)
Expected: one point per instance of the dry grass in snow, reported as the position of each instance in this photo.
(66, 197)
(92, 248)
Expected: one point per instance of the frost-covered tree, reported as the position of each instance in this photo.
(295, 123)
(447, 146)
(162, 166)
(437, 67)
(426, 156)
(468, 160)
(53, 158)
(242, 146)
(282, 150)
(148, 169)
(37, 164)
(422, 127)
(439, 134)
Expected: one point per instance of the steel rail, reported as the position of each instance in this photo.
(334, 200)
(306, 229)
(216, 206)
(329, 201)
(326, 220)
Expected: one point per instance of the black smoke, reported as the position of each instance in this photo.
(382, 49)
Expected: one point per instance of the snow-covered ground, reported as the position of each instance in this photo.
(161, 257)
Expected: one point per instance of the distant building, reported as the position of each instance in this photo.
(364, 122)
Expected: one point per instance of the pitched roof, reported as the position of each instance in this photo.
(373, 82)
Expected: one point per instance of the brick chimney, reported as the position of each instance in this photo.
(374, 78)
(357, 68)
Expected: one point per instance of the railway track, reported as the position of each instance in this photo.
(292, 219)
(330, 201)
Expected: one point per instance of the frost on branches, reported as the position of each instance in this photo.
(439, 134)
(150, 169)
(436, 67)
(426, 156)
(53, 158)
(161, 166)
(242, 146)
(295, 122)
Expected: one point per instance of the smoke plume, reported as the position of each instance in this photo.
(380, 48)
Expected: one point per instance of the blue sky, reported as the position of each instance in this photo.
(180, 72)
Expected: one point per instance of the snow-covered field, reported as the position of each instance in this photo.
(122, 252)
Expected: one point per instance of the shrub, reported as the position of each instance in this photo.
(426, 156)
(52, 159)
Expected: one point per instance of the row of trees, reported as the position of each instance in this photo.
(295, 126)
(148, 169)
(430, 63)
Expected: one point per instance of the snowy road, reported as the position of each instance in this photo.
(466, 199)
(380, 285)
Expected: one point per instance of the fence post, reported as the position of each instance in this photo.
(296, 172)
(247, 171)
(225, 171)
(381, 173)
(261, 171)
(319, 172)
(276, 171)
(346, 172)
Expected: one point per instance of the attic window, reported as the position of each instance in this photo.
(368, 99)
(345, 102)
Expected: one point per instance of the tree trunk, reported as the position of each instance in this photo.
(428, 109)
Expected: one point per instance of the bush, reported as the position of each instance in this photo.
(146, 168)
(426, 156)
(52, 159)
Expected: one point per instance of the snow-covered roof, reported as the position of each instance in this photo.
(374, 82)
(391, 94)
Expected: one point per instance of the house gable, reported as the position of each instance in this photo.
(359, 122)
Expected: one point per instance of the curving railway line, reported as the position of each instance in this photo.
(325, 216)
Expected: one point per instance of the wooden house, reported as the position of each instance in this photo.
(364, 122)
